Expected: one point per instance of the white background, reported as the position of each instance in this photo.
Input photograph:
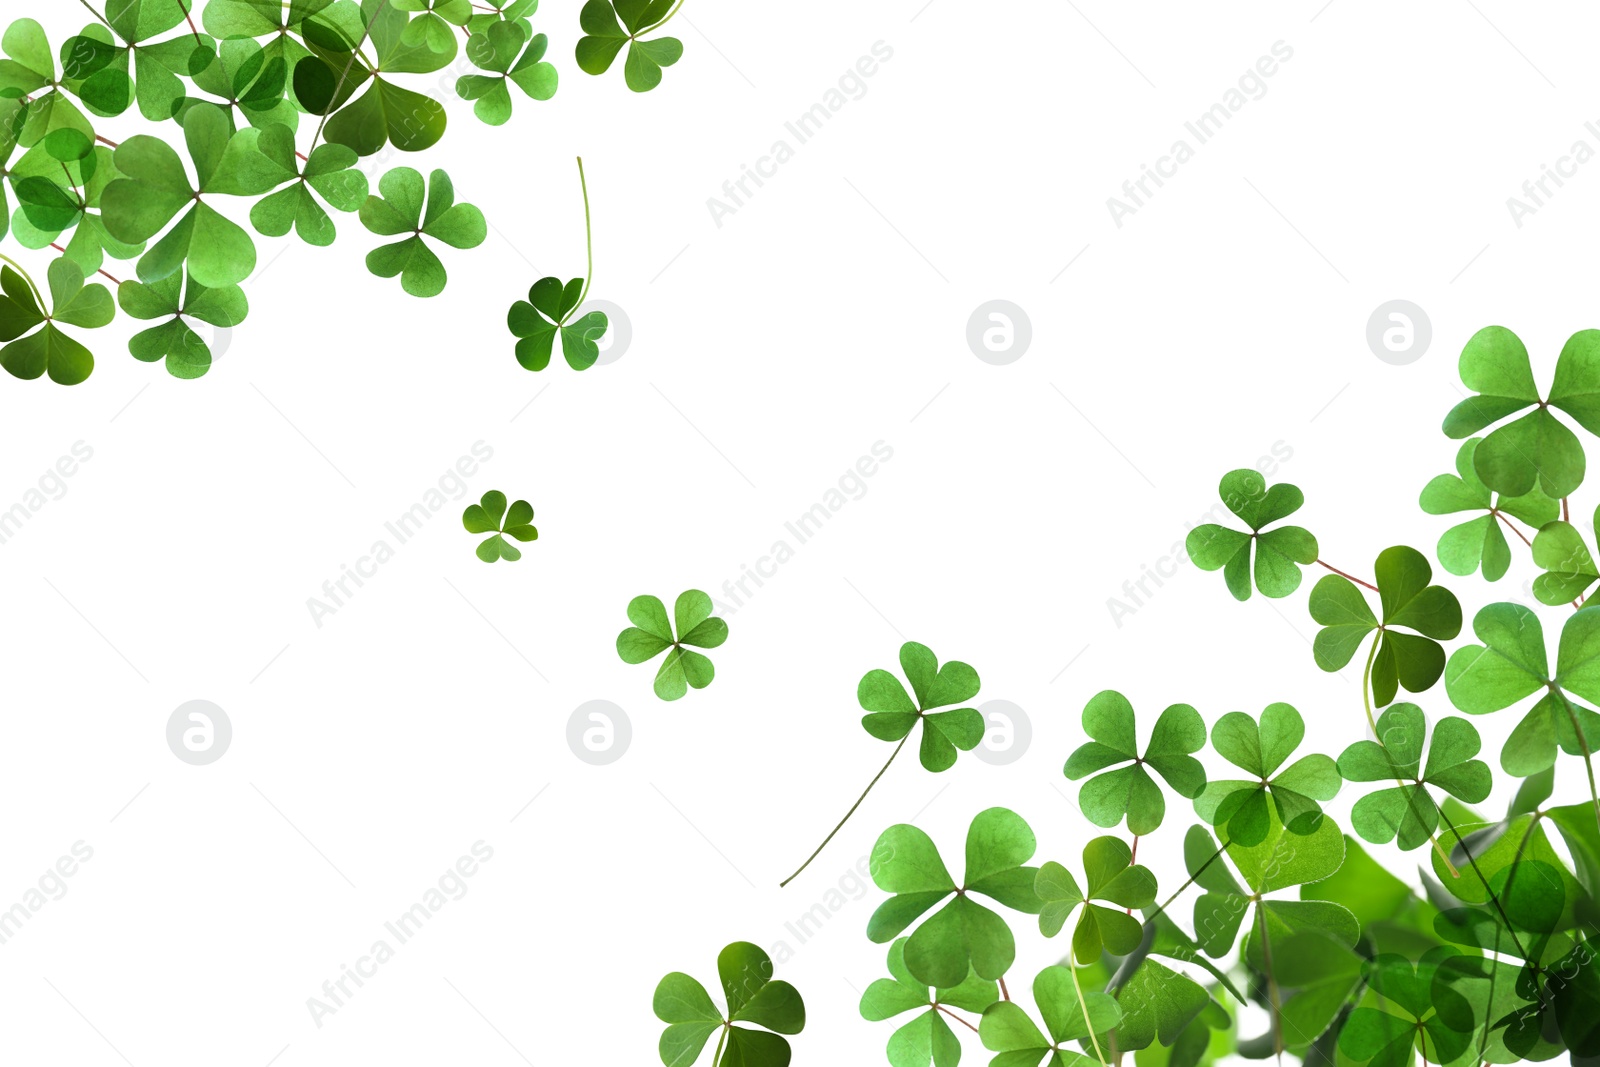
(827, 314)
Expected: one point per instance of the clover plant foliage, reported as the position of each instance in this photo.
(408, 206)
(492, 517)
(1277, 792)
(611, 25)
(927, 1037)
(762, 1013)
(652, 633)
(1481, 542)
(1279, 553)
(1128, 791)
(547, 313)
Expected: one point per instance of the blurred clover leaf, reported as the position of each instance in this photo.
(179, 299)
(892, 715)
(1480, 541)
(753, 997)
(926, 1038)
(1069, 1015)
(433, 23)
(407, 206)
(610, 24)
(36, 343)
(491, 517)
(537, 320)
(1407, 810)
(1403, 1015)
(511, 59)
(1277, 551)
(1247, 810)
(1129, 791)
(652, 632)
(1109, 875)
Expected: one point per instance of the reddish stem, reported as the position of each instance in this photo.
(58, 248)
(1005, 994)
(956, 1017)
(107, 140)
(1352, 577)
(1512, 527)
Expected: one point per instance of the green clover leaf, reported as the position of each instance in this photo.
(1536, 448)
(491, 517)
(1129, 791)
(1480, 541)
(247, 83)
(1110, 875)
(1274, 795)
(1323, 972)
(1414, 660)
(330, 172)
(108, 74)
(610, 24)
(500, 50)
(1158, 1004)
(1277, 551)
(538, 319)
(1407, 810)
(1569, 566)
(401, 210)
(50, 350)
(892, 715)
(30, 66)
(753, 998)
(177, 299)
(1399, 1016)
(1007, 1029)
(927, 1038)
(651, 634)
(433, 26)
(963, 934)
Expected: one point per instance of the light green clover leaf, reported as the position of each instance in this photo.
(1007, 1029)
(1407, 809)
(1480, 541)
(511, 59)
(491, 517)
(50, 350)
(1109, 875)
(1274, 795)
(1129, 791)
(330, 172)
(926, 1038)
(401, 210)
(432, 26)
(1277, 551)
(652, 633)
(610, 24)
(753, 998)
(892, 715)
(179, 300)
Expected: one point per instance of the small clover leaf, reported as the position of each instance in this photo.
(1007, 1029)
(432, 26)
(1109, 875)
(500, 50)
(330, 172)
(892, 715)
(185, 352)
(1569, 566)
(1407, 810)
(927, 1038)
(1129, 791)
(50, 350)
(963, 935)
(401, 210)
(1480, 541)
(652, 633)
(753, 998)
(491, 517)
(538, 319)
(1413, 660)
(1277, 552)
(610, 24)
(1274, 795)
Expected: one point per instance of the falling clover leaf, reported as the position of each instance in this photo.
(1109, 875)
(1129, 791)
(753, 998)
(496, 50)
(400, 210)
(651, 633)
(610, 24)
(1478, 541)
(186, 353)
(927, 1038)
(538, 319)
(1407, 810)
(1414, 660)
(50, 350)
(892, 715)
(963, 934)
(1277, 551)
(486, 517)
(1274, 795)
(1068, 1013)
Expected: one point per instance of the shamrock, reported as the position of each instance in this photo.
(491, 517)
(1512, 663)
(400, 210)
(610, 24)
(1538, 447)
(187, 355)
(1462, 548)
(1068, 1013)
(1260, 749)
(499, 50)
(1109, 874)
(433, 27)
(539, 318)
(1277, 551)
(1414, 660)
(753, 998)
(330, 171)
(892, 714)
(651, 632)
(108, 75)
(30, 67)
(28, 355)
(1408, 809)
(927, 1038)
(512, 11)
(963, 934)
(247, 79)
(1130, 791)
(1399, 1016)
(1158, 1004)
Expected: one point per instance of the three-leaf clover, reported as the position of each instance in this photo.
(1480, 541)
(1277, 551)
(753, 997)
(330, 172)
(610, 24)
(1401, 1015)
(1414, 660)
(1129, 791)
(1006, 1028)
(1569, 567)
(927, 1038)
(407, 206)
(510, 58)
(178, 298)
(1158, 1004)
(491, 517)
(538, 319)
(1110, 875)
(892, 715)
(50, 350)
(433, 23)
(963, 934)
(651, 633)
(1274, 795)
(1407, 810)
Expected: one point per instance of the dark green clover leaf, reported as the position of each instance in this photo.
(50, 350)
(963, 934)
(511, 59)
(1398, 1017)
(1109, 875)
(1274, 795)
(754, 999)
(610, 24)
(1407, 809)
(1536, 448)
(1323, 972)
(1414, 660)
(433, 26)
(1512, 663)
(892, 715)
(386, 113)
(330, 172)
(186, 353)
(401, 210)
(1480, 541)
(248, 84)
(108, 74)
(544, 314)
(1129, 791)
(1007, 1029)
(927, 1038)
(491, 517)
(1277, 551)
(651, 633)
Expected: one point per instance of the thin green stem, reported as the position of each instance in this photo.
(588, 241)
(1472, 861)
(658, 25)
(849, 813)
(98, 16)
(1583, 743)
(25, 277)
(1088, 1024)
(723, 1040)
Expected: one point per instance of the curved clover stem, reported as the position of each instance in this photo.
(1343, 574)
(957, 1018)
(1273, 998)
(113, 277)
(658, 25)
(721, 1041)
(1094, 1038)
(1472, 860)
(1588, 754)
(588, 240)
(1511, 526)
(25, 277)
(97, 15)
(345, 74)
(184, 7)
(1133, 857)
(849, 813)
(1005, 994)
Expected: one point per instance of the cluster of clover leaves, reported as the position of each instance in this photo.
(1491, 961)
(271, 102)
